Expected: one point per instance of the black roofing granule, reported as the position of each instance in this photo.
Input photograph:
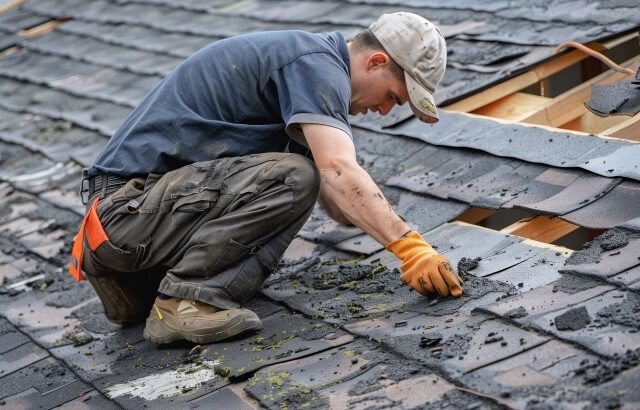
(395, 370)
(592, 251)
(573, 319)
(456, 399)
(571, 284)
(598, 371)
(613, 239)
(517, 313)
(455, 346)
(276, 390)
(625, 313)
(474, 288)
(329, 277)
(465, 265)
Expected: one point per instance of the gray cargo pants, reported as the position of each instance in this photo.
(210, 231)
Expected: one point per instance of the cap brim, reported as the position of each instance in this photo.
(422, 103)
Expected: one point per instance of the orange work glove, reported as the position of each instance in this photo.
(424, 269)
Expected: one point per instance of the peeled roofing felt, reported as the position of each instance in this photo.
(363, 337)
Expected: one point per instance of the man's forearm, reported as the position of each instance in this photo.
(332, 209)
(360, 200)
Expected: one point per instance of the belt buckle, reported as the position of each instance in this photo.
(84, 190)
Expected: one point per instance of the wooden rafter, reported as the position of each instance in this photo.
(569, 106)
(514, 106)
(521, 81)
(534, 76)
(541, 228)
(474, 215)
(629, 129)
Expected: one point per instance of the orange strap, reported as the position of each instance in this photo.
(96, 236)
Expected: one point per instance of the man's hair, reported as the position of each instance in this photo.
(366, 41)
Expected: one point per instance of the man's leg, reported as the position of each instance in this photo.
(219, 227)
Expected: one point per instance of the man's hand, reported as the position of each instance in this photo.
(423, 268)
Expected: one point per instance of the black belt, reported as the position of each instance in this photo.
(103, 184)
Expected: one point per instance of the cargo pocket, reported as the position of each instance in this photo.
(187, 209)
(112, 258)
(233, 253)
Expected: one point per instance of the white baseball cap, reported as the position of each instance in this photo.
(419, 48)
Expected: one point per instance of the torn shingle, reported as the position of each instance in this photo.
(613, 209)
(621, 98)
(601, 335)
(611, 253)
(528, 143)
(584, 190)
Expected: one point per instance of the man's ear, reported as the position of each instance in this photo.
(377, 60)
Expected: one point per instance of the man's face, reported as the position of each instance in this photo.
(377, 89)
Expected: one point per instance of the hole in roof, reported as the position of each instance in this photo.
(558, 99)
(528, 225)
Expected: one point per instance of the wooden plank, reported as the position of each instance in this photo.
(541, 228)
(628, 129)
(517, 83)
(535, 75)
(570, 105)
(615, 42)
(591, 123)
(42, 29)
(10, 5)
(514, 106)
(474, 215)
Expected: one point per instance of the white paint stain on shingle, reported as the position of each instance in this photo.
(167, 384)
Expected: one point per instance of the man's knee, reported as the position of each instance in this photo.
(304, 177)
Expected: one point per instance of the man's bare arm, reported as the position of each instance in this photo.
(331, 208)
(349, 187)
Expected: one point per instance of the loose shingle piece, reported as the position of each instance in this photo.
(621, 98)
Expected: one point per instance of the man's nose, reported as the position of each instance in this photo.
(385, 107)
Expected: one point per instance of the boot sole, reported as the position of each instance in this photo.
(237, 325)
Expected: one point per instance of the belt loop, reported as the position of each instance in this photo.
(134, 204)
(85, 188)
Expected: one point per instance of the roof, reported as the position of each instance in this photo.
(539, 325)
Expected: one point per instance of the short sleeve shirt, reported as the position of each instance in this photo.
(239, 96)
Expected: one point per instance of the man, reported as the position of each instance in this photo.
(195, 198)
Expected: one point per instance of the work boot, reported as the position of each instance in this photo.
(185, 319)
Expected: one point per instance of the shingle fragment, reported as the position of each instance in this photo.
(621, 98)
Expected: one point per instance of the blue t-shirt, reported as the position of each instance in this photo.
(238, 96)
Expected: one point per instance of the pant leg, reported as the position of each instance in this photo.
(235, 285)
(209, 219)
(254, 236)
